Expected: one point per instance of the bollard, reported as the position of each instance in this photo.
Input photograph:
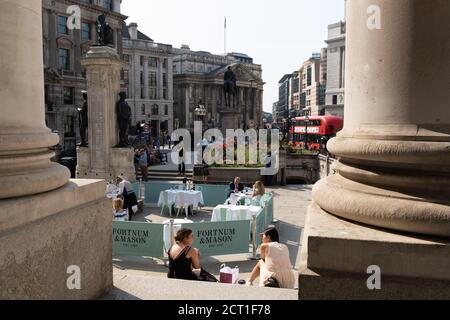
(172, 240)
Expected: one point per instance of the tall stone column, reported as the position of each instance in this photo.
(394, 159)
(395, 147)
(25, 166)
(47, 223)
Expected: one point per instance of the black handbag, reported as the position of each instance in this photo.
(272, 283)
(206, 276)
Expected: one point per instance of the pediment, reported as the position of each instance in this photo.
(242, 73)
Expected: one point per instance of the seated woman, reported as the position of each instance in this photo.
(119, 213)
(275, 265)
(183, 259)
(258, 192)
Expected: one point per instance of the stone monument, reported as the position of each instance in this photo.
(393, 181)
(229, 115)
(50, 228)
(102, 160)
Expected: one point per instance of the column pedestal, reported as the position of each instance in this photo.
(101, 160)
(229, 119)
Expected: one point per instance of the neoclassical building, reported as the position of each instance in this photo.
(148, 79)
(199, 80)
(63, 50)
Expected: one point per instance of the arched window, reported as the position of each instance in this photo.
(155, 110)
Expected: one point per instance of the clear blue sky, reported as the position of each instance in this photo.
(279, 34)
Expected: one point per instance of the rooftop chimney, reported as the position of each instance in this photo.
(133, 29)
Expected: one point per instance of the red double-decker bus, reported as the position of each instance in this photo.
(317, 128)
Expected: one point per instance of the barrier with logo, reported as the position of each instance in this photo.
(211, 238)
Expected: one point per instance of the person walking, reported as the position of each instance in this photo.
(143, 164)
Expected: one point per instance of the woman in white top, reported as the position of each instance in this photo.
(119, 213)
(274, 263)
(258, 192)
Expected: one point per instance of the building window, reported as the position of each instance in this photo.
(141, 60)
(309, 80)
(143, 110)
(125, 76)
(152, 94)
(152, 62)
(69, 126)
(152, 78)
(107, 4)
(86, 31)
(155, 110)
(68, 95)
(64, 59)
(62, 25)
(334, 99)
(126, 57)
(142, 78)
(165, 63)
(166, 110)
(142, 93)
(165, 94)
(164, 80)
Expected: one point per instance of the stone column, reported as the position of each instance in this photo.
(395, 146)
(394, 160)
(25, 166)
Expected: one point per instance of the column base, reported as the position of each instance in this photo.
(336, 254)
(121, 163)
(45, 234)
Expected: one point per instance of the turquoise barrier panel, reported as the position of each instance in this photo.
(260, 226)
(213, 195)
(220, 238)
(135, 187)
(154, 188)
(137, 239)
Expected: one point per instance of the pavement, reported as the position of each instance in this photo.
(290, 206)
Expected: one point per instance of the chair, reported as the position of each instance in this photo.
(182, 205)
(166, 203)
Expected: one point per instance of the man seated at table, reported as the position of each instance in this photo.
(236, 186)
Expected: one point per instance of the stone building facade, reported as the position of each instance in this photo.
(199, 80)
(63, 50)
(148, 80)
(335, 94)
(313, 84)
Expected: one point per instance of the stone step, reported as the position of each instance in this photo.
(133, 287)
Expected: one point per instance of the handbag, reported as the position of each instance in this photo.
(206, 276)
(228, 275)
(272, 283)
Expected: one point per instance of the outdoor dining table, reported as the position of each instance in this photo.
(182, 198)
(235, 197)
(234, 213)
(177, 225)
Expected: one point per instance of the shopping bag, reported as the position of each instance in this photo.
(228, 275)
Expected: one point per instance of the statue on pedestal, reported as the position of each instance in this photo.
(229, 86)
(123, 118)
(83, 120)
(104, 31)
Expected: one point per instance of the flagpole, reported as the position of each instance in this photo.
(225, 37)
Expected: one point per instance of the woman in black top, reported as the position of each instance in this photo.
(183, 259)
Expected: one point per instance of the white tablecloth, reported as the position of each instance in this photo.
(182, 198)
(234, 213)
(177, 224)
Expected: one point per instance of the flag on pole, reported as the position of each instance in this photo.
(225, 22)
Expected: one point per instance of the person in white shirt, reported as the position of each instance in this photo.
(123, 185)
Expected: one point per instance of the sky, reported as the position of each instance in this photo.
(278, 34)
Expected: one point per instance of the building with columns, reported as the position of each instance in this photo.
(148, 79)
(199, 79)
(335, 94)
(63, 50)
